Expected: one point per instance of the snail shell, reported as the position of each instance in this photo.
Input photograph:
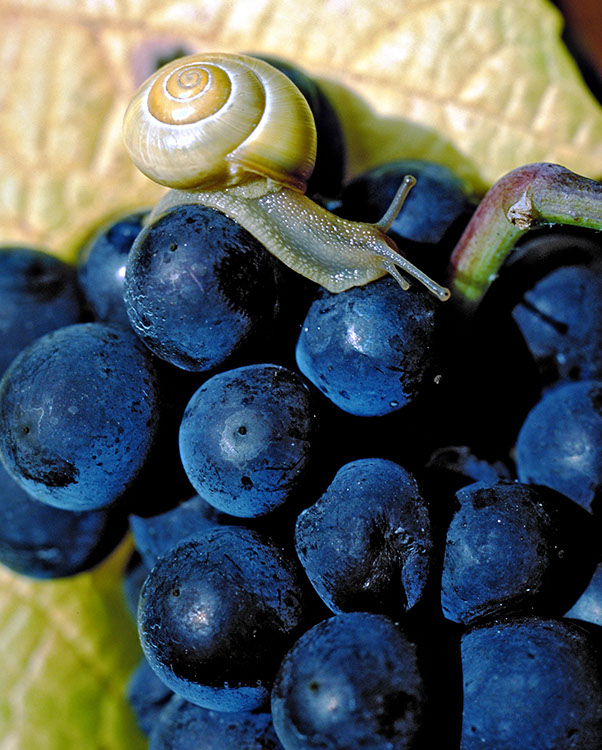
(233, 133)
(208, 120)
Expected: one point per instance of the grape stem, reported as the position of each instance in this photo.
(530, 196)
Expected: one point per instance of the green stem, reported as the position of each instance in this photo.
(529, 196)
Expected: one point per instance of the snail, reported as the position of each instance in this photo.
(233, 133)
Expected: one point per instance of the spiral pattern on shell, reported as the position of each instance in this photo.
(206, 121)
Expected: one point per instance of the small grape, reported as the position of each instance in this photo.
(216, 614)
(246, 438)
(79, 415)
(371, 349)
(366, 544)
(198, 287)
(38, 293)
(531, 682)
(354, 680)
(560, 442)
(101, 267)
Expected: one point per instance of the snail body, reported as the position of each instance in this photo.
(231, 132)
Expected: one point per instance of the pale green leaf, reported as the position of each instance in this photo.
(67, 649)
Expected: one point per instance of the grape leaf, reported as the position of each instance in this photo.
(67, 648)
(479, 85)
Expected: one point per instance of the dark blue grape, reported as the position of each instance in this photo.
(183, 725)
(147, 695)
(531, 683)
(589, 605)
(371, 350)
(40, 541)
(198, 286)
(217, 612)
(156, 535)
(560, 442)
(38, 293)
(78, 415)
(353, 681)
(561, 321)
(542, 251)
(101, 267)
(515, 547)
(366, 544)
(246, 438)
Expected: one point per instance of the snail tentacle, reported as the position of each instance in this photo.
(385, 223)
(390, 264)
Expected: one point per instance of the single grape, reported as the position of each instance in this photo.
(147, 695)
(157, 534)
(366, 544)
(433, 216)
(217, 612)
(41, 541)
(515, 547)
(560, 442)
(561, 321)
(371, 350)
(101, 267)
(79, 412)
(352, 681)
(531, 682)
(246, 438)
(38, 293)
(183, 725)
(198, 287)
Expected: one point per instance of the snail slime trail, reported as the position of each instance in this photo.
(232, 132)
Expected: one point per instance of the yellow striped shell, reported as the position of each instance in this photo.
(209, 120)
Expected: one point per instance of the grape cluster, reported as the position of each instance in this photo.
(361, 520)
